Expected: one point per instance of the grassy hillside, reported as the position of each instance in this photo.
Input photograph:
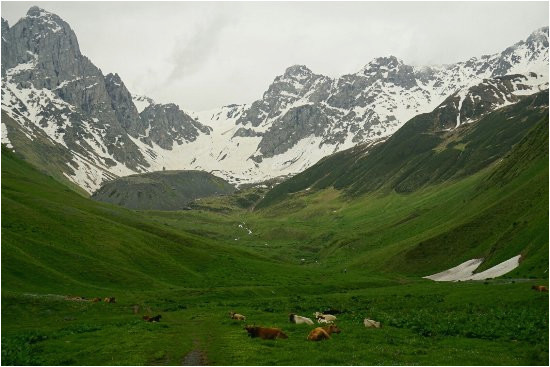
(54, 239)
(421, 154)
(431, 229)
(163, 190)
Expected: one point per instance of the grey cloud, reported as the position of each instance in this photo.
(192, 53)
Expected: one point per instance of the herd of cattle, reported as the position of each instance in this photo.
(317, 334)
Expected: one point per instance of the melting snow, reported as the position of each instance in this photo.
(465, 271)
(5, 139)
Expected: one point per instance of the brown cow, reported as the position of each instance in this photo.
(96, 299)
(109, 300)
(265, 332)
(540, 288)
(322, 333)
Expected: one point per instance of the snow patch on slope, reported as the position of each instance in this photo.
(5, 139)
(141, 102)
(465, 271)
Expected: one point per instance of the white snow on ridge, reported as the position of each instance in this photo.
(141, 102)
(465, 271)
(5, 139)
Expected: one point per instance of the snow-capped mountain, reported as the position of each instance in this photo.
(55, 96)
(50, 89)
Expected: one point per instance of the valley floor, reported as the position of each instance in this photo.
(422, 323)
(365, 257)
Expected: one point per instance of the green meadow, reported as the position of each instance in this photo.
(317, 248)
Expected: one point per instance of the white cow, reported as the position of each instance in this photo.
(324, 318)
(371, 324)
(237, 316)
(299, 319)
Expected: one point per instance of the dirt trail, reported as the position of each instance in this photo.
(195, 357)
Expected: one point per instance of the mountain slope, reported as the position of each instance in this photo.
(164, 190)
(104, 131)
(304, 116)
(497, 213)
(515, 223)
(422, 152)
(56, 241)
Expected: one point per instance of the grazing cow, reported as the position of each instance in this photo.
(322, 333)
(96, 299)
(109, 300)
(295, 319)
(324, 319)
(152, 319)
(265, 332)
(237, 316)
(155, 318)
(371, 324)
(540, 288)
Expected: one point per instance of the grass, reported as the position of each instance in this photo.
(423, 323)
(316, 249)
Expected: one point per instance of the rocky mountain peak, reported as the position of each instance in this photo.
(538, 41)
(36, 12)
(114, 79)
(539, 35)
(123, 105)
(42, 39)
(47, 21)
(298, 72)
(381, 64)
(5, 25)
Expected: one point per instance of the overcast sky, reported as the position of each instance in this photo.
(205, 55)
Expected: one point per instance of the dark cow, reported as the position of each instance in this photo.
(152, 319)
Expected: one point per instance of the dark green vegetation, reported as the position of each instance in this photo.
(194, 266)
(165, 190)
